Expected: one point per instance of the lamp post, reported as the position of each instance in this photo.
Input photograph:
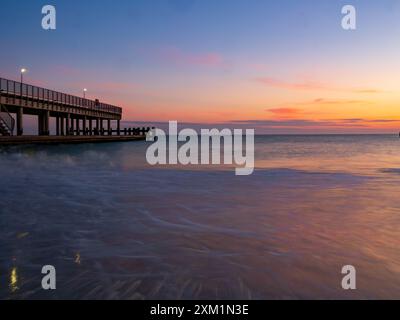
(84, 93)
(23, 70)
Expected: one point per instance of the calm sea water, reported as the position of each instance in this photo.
(116, 228)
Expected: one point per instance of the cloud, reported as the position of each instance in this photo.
(358, 120)
(351, 123)
(288, 123)
(336, 102)
(271, 82)
(310, 85)
(285, 111)
(287, 126)
(368, 91)
(352, 120)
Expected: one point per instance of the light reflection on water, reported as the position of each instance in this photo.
(115, 228)
(78, 258)
(14, 280)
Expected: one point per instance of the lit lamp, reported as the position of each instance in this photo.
(84, 93)
(23, 70)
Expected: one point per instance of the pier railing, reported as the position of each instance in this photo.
(18, 89)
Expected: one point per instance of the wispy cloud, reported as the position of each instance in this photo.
(310, 85)
(284, 111)
(338, 101)
(272, 82)
(291, 110)
(368, 91)
(301, 123)
(289, 126)
(371, 121)
(291, 123)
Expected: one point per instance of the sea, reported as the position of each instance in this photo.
(115, 227)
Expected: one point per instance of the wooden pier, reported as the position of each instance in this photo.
(78, 119)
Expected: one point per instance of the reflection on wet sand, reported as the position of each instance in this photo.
(14, 280)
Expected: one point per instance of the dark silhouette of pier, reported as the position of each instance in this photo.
(75, 116)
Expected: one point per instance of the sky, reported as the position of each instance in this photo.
(282, 66)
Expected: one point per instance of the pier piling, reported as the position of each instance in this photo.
(20, 123)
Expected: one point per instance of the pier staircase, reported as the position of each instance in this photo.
(7, 122)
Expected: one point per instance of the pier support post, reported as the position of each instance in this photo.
(101, 127)
(97, 126)
(118, 127)
(84, 126)
(20, 122)
(40, 125)
(47, 123)
(62, 125)
(77, 127)
(67, 130)
(109, 133)
(57, 125)
(43, 123)
(90, 127)
(72, 126)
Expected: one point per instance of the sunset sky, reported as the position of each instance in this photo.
(277, 66)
